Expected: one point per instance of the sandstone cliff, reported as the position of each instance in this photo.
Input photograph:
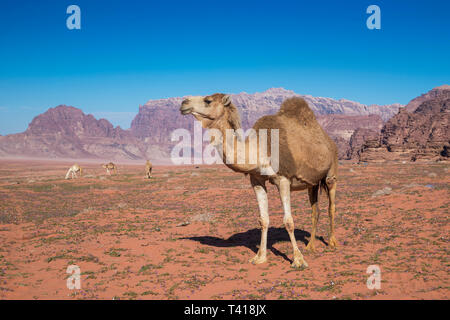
(413, 136)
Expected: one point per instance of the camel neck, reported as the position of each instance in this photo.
(228, 147)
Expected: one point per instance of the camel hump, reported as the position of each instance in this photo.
(298, 108)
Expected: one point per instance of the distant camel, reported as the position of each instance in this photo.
(110, 167)
(307, 159)
(73, 170)
(148, 169)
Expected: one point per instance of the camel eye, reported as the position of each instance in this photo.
(207, 101)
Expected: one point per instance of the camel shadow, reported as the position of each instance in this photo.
(251, 239)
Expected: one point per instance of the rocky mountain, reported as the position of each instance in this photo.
(251, 107)
(359, 137)
(422, 134)
(66, 132)
(442, 92)
(342, 128)
(158, 118)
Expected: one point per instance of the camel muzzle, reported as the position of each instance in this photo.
(184, 109)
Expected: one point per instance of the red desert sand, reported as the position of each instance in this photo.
(188, 233)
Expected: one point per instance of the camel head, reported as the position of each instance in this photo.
(214, 111)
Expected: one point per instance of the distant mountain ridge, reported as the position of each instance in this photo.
(441, 92)
(158, 118)
(420, 131)
(66, 132)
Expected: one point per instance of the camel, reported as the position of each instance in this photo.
(148, 169)
(110, 167)
(307, 160)
(73, 170)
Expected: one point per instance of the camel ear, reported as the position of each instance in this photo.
(226, 100)
(233, 118)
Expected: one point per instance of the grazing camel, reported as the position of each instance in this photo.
(73, 170)
(148, 169)
(110, 167)
(307, 159)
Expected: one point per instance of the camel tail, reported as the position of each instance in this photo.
(298, 108)
(324, 186)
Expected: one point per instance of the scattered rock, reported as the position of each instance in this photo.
(429, 186)
(122, 205)
(31, 181)
(432, 175)
(183, 224)
(194, 174)
(203, 217)
(382, 192)
(85, 210)
(411, 185)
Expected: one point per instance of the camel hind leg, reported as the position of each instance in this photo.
(313, 193)
(331, 184)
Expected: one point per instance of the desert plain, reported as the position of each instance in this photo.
(188, 233)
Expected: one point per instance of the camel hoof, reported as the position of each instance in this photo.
(299, 263)
(310, 247)
(258, 259)
(332, 243)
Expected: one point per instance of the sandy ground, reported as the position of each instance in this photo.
(188, 233)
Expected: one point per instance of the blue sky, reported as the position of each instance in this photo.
(128, 52)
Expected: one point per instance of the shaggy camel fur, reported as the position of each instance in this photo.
(110, 167)
(307, 160)
(73, 170)
(148, 169)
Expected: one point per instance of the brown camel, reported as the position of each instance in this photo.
(148, 169)
(307, 159)
(110, 167)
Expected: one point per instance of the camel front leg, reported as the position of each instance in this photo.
(263, 204)
(284, 187)
(313, 194)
